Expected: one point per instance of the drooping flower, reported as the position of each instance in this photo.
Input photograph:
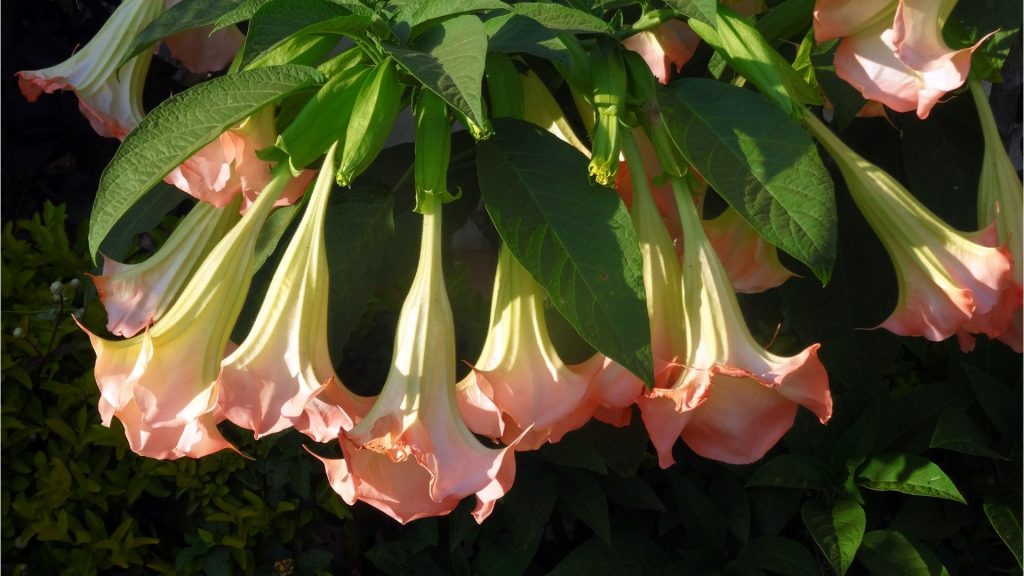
(412, 455)
(751, 263)
(519, 370)
(666, 48)
(950, 282)
(136, 295)
(268, 382)
(109, 95)
(731, 399)
(166, 377)
(200, 49)
(228, 166)
(999, 201)
(893, 51)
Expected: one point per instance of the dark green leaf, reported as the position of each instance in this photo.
(858, 440)
(887, 552)
(631, 554)
(417, 12)
(761, 161)
(562, 18)
(180, 126)
(1006, 522)
(789, 471)
(183, 16)
(845, 99)
(957, 431)
(703, 10)
(514, 33)
(971, 21)
(785, 20)
(583, 495)
(632, 492)
(699, 514)
(909, 474)
(779, 555)
(279, 19)
(731, 498)
(837, 528)
(574, 237)
(143, 216)
(508, 548)
(360, 225)
(240, 14)
(449, 60)
(998, 400)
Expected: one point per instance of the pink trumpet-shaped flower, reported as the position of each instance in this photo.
(665, 48)
(732, 400)
(412, 455)
(1000, 201)
(166, 377)
(109, 95)
(137, 295)
(751, 263)
(950, 282)
(200, 51)
(893, 52)
(519, 371)
(228, 166)
(268, 382)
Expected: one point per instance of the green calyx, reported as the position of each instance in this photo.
(373, 115)
(608, 74)
(433, 150)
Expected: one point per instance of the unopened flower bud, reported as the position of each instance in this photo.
(373, 115)
(433, 149)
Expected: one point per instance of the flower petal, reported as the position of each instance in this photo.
(665, 48)
(839, 18)
(202, 52)
(752, 263)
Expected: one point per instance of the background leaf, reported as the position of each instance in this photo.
(561, 18)
(180, 126)
(703, 10)
(907, 473)
(574, 237)
(761, 161)
(887, 552)
(1006, 523)
(837, 528)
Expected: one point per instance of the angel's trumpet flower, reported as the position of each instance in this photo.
(109, 95)
(519, 369)
(731, 400)
(137, 295)
(665, 48)
(950, 282)
(201, 50)
(999, 201)
(751, 262)
(412, 455)
(270, 379)
(229, 166)
(167, 376)
(893, 51)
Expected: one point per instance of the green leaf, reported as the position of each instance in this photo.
(779, 555)
(514, 33)
(361, 224)
(702, 10)
(583, 495)
(180, 126)
(837, 528)
(563, 18)
(632, 492)
(957, 431)
(790, 471)
(999, 402)
(516, 528)
(573, 236)
(449, 60)
(1006, 522)
(785, 20)
(143, 216)
(275, 22)
(909, 474)
(761, 161)
(700, 515)
(887, 552)
(630, 554)
(747, 51)
(185, 15)
(240, 14)
(418, 12)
